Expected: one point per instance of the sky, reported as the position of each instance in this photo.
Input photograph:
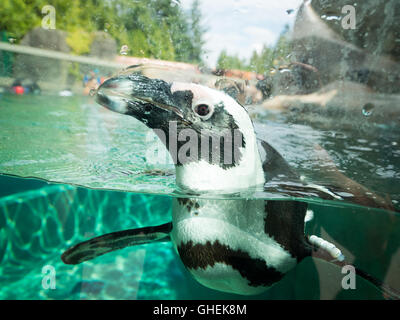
(241, 26)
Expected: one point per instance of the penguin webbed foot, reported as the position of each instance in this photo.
(327, 249)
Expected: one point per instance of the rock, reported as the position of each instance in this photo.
(38, 68)
(103, 46)
(46, 39)
(347, 102)
(377, 24)
(325, 52)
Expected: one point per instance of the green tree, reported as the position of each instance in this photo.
(226, 61)
(150, 28)
(17, 17)
(197, 32)
(262, 62)
(282, 48)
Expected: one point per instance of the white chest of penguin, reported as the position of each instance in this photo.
(224, 245)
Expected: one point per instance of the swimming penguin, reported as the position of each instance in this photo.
(237, 246)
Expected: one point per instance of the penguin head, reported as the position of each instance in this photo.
(205, 130)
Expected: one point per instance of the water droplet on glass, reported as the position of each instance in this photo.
(339, 135)
(284, 70)
(124, 50)
(92, 92)
(367, 109)
(329, 18)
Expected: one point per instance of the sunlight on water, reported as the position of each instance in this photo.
(78, 142)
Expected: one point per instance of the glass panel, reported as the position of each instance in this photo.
(89, 96)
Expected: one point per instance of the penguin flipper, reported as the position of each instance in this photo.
(284, 222)
(274, 164)
(98, 246)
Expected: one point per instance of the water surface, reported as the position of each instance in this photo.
(74, 142)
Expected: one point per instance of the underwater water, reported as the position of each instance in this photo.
(107, 181)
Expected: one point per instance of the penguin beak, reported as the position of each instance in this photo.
(148, 100)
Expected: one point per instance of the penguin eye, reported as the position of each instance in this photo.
(204, 111)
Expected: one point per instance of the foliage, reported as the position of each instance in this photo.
(79, 41)
(263, 62)
(150, 28)
(226, 61)
(17, 17)
(197, 32)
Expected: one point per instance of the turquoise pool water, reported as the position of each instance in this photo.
(39, 224)
(93, 153)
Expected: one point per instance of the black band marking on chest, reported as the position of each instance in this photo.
(255, 270)
(284, 222)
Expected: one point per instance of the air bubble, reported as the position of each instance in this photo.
(368, 109)
(92, 92)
